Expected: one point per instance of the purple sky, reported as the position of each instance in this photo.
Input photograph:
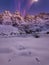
(24, 7)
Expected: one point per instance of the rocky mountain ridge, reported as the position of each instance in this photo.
(16, 18)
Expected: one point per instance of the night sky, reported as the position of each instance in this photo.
(24, 7)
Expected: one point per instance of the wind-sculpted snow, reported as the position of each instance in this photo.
(5, 50)
(24, 51)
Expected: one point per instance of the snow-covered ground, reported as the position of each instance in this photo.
(10, 31)
(24, 51)
(20, 48)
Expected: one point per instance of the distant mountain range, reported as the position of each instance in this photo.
(16, 18)
(28, 24)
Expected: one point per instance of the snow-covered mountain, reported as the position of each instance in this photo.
(17, 43)
(11, 18)
(29, 24)
(5, 18)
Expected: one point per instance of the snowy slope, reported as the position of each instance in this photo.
(7, 30)
(24, 51)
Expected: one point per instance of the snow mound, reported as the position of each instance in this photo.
(7, 30)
